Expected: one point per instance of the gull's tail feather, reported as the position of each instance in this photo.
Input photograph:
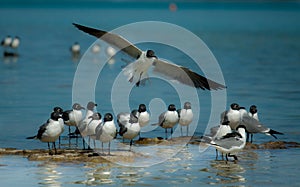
(32, 137)
(272, 132)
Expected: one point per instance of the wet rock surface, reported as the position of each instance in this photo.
(79, 155)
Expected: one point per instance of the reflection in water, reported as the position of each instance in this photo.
(226, 172)
(48, 174)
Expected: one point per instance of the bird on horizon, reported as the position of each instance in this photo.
(138, 70)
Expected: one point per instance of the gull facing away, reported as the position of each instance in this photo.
(232, 115)
(137, 70)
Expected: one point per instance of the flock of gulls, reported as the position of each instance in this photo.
(237, 125)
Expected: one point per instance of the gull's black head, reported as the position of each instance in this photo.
(108, 117)
(253, 109)
(77, 106)
(55, 116)
(171, 107)
(95, 116)
(187, 105)
(142, 108)
(58, 110)
(150, 53)
(91, 105)
(235, 106)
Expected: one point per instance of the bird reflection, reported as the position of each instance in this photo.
(226, 172)
(48, 174)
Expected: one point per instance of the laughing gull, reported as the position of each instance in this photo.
(106, 131)
(73, 117)
(253, 126)
(137, 70)
(232, 115)
(231, 143)
(96, 119)
(15, 43)
(50, 131)
(6, 42)
(143, 116)
(253, 112)
(185, 116)
(129, 125)
(168, 119)
(82, 126)
(75, 49)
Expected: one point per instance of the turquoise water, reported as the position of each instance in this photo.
(257, 47)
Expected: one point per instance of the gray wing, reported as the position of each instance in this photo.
(185, 75)
(227, 143)
(223, 117)
(214, 131)
(112, 39)
(99, 130)
(252, 125)
(161, 118)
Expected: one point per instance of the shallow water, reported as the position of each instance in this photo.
(257, 47)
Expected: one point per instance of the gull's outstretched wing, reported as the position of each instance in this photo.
(185, 75)
(112, 39)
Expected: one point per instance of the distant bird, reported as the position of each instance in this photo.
(82, 126)
(6, 42)
(168, 119)
(129, 125)
(253, 126)
(106, 131)
(138, 70)
(232, 115)
(75, 50)
(96, 120)
(15, 43)
(96, 48)
(185, 116)
(231, 143)
(110, 51)
(143, 116)
(50, 131)
(73, 117)
(253, 112)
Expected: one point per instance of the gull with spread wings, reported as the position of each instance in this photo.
(137, 70)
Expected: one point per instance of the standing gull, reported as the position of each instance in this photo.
(185, 116)
(231, 143)
(50, 131)
(253, 126)
(168, 119)
(73, 117)
(106, 131)
(143, 116)
(232, 115)
(137, 70)
(129, 125)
